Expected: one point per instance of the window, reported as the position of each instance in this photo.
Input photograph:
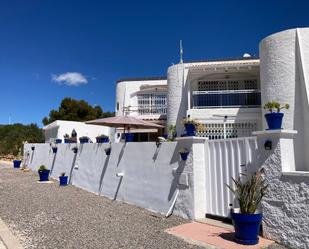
(151, 103)
(227, 93)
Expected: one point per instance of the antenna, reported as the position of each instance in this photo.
(181, 51)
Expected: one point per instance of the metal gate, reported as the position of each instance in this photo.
(227, 158)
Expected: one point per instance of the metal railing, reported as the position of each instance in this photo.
(147, 110)
(226, 98)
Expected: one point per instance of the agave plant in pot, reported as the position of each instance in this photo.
(102, 139)
(275, 116)
(184, 152)
(190, 126)
(63, 179)
(249, 191)
(43, 173)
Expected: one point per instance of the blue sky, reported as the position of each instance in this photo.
(102, 41)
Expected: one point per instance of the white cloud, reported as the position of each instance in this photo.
(70, 79)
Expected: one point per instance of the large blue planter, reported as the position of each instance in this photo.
(16, 164)
(184, 155)
(44, 174)
(274, 120)
(247, 228)
(58, 141)
(84, 140)
(190, 130)
(102, 140)
(129, 137)
(63, 180)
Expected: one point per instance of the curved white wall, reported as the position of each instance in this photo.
(282, 79)
(177, 98)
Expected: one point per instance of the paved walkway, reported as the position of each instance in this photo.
(47, 216)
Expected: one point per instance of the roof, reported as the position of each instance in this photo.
(224, 59)
(142, 79)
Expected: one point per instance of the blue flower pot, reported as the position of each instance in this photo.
(101, 140)
(44, 174)
(63, 180)
(54, 149)
(190, 130)
(247, 228)
(184, 156)
(129, 137)
(274, 120)
(58, 141)
(16, 164)
(67, 141)
(84, 140)
(108, 151)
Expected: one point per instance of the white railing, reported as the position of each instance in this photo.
(227, 158)
(146, 110)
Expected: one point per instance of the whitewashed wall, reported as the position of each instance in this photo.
(153, 176)
(284, 71)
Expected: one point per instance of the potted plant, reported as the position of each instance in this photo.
(75, 149)
(249, 191)
(63, 179)
(66, 138)
(43, 173)
(190, 126)
(108, 150)
(274, 117)
(18, 160)
(102, 139)
(84, 140)
(184, 152)
(58, 141)
(172, 134)
(32, 148)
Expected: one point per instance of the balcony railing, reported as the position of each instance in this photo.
(226, 98)
(147, 110)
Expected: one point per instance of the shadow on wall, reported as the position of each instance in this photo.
(181, 166)
(72, 167)
(103, 174)
(121, 153)
(53, 163)
(118, 187)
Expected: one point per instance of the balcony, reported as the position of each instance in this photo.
(226, 99)
(147, 110)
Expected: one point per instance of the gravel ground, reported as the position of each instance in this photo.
(46, 216)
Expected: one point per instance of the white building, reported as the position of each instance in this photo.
(223, 95)
(59, 128)
(144, 98)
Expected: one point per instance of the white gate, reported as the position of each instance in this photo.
(227, 158)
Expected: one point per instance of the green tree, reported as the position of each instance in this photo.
(75, 110)
(13, 136)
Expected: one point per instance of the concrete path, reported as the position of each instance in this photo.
(47, 216)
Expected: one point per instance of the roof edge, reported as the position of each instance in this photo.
(142, 79)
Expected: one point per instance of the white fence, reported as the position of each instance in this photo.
(227, 158)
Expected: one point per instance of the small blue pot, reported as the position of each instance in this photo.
(108, 151)
(54, 149)
(44, 174)
(63, 180)
(101, 140)
(58, 141)
(16, 164)
(129, 137)
(247, 227)
(184, 156)
(274, 120)
(190, 130)
(67, 141)
(84, 140)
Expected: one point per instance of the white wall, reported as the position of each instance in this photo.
(152, 176)
(59, 128)
(284, 77)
